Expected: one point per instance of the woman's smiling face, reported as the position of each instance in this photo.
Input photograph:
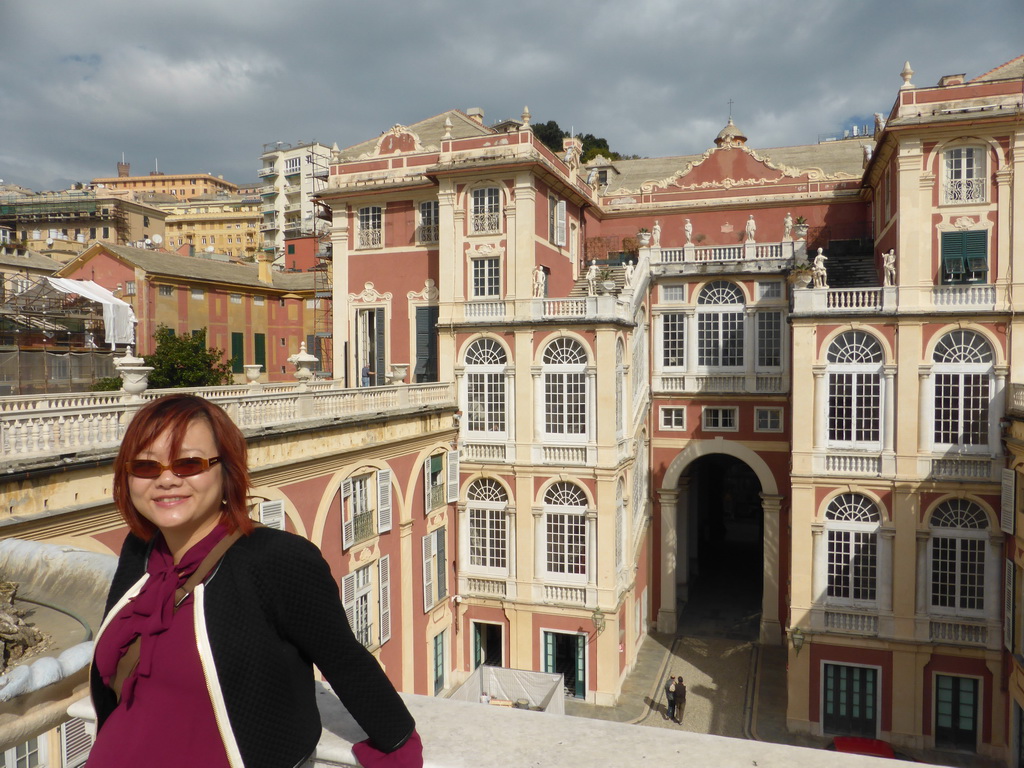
(185, 509)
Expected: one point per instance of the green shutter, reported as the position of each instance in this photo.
(426, 344)
(964, 256)
(260, 349)
(237, 352)
(379, 348)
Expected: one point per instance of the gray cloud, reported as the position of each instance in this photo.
(201, 86)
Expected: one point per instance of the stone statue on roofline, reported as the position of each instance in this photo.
(592, 274)
(751, 228)
(656, 234)
(688, 231)
(787, 227)
(540, 281)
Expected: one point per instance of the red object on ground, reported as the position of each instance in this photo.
(858, 745)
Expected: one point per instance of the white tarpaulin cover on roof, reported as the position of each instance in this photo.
(541, 690)
(118, 316)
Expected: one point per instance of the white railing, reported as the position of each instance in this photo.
(428, 233)
(268, 171)
(58, 424)
(557, 593)
(702, 254)
(957, 632)
(964, 190)
(485, 452)
(965, 296)
(967, 469)
(763, 383)
(855, 623)
(486, 587)
(853, 465)
(486, 223)
(564, 454)
(478, 309)
(854, 298)
(565, 308)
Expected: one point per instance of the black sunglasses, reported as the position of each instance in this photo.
(184, 467)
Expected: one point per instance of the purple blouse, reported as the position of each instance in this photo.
(165, 717)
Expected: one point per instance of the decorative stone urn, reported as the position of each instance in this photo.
(644, 238)
(397, 373)
(134, 373)
(252, 374)
(800, 231)
(302, 360)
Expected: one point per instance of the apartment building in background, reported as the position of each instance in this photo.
(291, 175)
(184, 186)
(218, 223)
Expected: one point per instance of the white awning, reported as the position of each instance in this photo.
(118, 316)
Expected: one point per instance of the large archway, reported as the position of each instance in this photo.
(720, 539)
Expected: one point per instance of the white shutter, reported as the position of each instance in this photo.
(384, 585)
(560, 223)
(1008, 501)
(1010, 569)
(428, 573)
(272, 514)
(348, 532)
(426, 487)
(75, 743)
(453, 476)
(348, 597)
(383, 500)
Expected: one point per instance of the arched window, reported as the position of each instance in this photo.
(720, 309)
(565, 530)
(855, 390)
(487, 508)
(486, 392)
(485, 213)
(565, 389)
(957, 557)
(964, 179)
(851, 524)
(962, 381)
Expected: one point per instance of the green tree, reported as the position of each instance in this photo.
(186, 361)
(551, 135)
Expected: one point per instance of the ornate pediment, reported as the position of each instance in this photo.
(398, 140)
(722, 174)
(429, 292)
(369, 295)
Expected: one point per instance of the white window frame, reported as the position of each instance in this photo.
(486, 391)
(957, 537)
(271, 513)
(768, 413)
(369, 227)
(678, 324)
(566, 531)
(488, 528)
(429, 228)
(717, 326)
(712, 418)
(367, 495)
(356, 588)
(556, 221)
(964, 176)
(198, 294)
(485, 277)
(846, 533)
(672, 417)
(485, 210)
(563, 385)
(961, 376)
(864, 381)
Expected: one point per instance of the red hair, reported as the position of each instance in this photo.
(173, 414)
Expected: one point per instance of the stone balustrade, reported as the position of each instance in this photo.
(36, 427)
(460, 734)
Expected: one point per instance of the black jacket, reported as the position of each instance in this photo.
(267, 613)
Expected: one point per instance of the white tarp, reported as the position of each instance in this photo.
(118, 316)
(540, 690)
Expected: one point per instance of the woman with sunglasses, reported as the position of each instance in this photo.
(217, 670)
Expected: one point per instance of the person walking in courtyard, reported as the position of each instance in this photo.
(670, 697)
(680, 698)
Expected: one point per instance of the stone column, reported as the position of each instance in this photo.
(997, 411)
(889, 408)
(925, 414)
(820, 409)
(771, 627)
(667, 617)
(749, 349)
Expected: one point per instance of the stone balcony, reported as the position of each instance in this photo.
(894, 299)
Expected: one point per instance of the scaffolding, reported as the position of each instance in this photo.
(50, 341)
(51, 211)
(323, 270)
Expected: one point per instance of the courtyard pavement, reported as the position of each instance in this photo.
(735, 687)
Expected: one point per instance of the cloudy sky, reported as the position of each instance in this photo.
(201, 85)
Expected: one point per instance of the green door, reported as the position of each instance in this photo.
(956, 712)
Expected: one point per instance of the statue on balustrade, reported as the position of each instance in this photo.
(656, 234)
(688, 231)
(540, 282)
(787, 227)
(751, 228)
(820, 274)
(592, 274)
(889, 265)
